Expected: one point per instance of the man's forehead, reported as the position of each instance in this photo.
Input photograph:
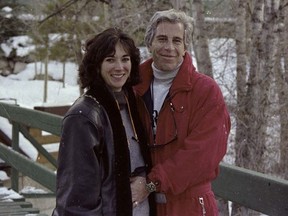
(170, 29)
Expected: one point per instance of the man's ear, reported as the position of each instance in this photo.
(184, 53)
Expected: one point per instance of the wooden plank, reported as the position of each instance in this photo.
(16, 207)
(43, 139)
(35, 171)
(38, 195)
(19, 199)
(40, 148)
(32, 118)
(4, 138)
(18, 210)
(8, 208)
(253, 190)
(21, 204)
(35, 132)
(58, 110)
(16, 214)
(22, 214)
(43, 160)
(46, 139)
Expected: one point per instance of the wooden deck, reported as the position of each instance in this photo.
(13, 204)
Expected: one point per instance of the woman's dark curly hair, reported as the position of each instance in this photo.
(98, 48)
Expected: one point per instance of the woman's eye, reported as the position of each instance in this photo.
(126, 59)
(109, 59)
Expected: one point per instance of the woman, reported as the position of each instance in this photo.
(102, 144)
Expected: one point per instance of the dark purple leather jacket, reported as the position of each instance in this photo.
(94, 162)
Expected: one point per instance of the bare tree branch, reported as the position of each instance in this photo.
(62, 8)
(65, 6)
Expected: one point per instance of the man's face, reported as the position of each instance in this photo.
(167, 47)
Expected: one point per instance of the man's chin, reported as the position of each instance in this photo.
(169, 67)
(165, 65)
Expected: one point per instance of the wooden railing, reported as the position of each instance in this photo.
(22, 119)
(260, 192)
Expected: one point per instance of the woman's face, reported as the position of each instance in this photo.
(115, 69)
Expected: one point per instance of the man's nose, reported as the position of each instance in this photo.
(169, 45)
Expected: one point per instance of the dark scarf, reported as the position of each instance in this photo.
(122, 156)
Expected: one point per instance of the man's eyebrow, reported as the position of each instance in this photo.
(161, 36)
(178, 38)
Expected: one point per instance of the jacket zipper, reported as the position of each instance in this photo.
(201, 201)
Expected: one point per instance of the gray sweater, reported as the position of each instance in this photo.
(136, 159)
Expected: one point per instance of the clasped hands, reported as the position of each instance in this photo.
(138, 190)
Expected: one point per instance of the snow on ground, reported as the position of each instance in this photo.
(8, 195)
(30, 93)
(3, 176)
(26, 92)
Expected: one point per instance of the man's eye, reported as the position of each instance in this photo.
(178, 41)
(162, 39)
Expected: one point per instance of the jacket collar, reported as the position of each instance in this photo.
(182, 82)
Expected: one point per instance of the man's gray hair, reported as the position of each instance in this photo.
(172, 16)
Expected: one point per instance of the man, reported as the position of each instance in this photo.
(186, 118)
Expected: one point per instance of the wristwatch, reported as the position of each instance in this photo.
(151, 187)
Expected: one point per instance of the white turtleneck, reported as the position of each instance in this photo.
(160, 87)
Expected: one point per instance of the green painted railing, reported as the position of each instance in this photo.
(260, 192)
(27, 167)
(254, 190)
(21, 118)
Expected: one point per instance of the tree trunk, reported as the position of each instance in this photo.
(241, 119)
(241, 122)
(282, 90)
(282, 81)
(63, 74)
(78, 54)
(178, 4)
(200, 40)
(46, 43)
(115, 12)
(45, 95)
(250, 154)
(254, 107)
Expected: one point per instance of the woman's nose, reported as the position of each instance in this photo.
(119, 65)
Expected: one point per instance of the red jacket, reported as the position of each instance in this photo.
(191, 140)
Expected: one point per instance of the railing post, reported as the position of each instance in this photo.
(15, 146)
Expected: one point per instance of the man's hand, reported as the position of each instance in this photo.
(138, 190)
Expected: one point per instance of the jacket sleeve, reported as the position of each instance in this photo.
(79, 173)
(197, 159)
